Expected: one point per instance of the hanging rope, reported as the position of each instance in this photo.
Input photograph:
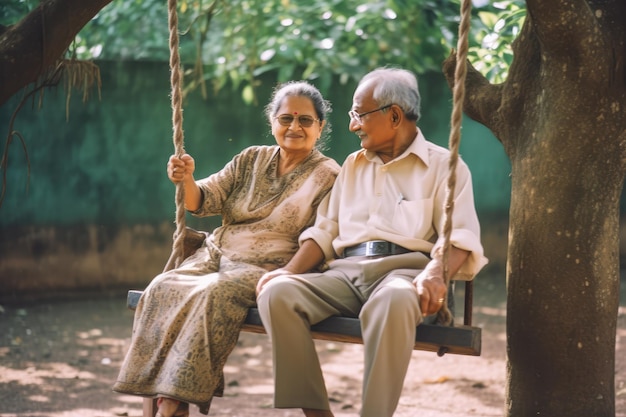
(179, 148)
(458, 96)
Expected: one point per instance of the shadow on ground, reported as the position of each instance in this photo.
(60, 358)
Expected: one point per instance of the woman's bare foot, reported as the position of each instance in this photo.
(169, 407)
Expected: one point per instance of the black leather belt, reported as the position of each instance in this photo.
(374, 248)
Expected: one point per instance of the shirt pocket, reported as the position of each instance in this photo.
(413, 218)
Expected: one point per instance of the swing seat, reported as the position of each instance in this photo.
(462, 340)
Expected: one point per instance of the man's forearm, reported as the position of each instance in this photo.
(456, 259)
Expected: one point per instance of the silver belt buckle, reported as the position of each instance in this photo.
(377, 247)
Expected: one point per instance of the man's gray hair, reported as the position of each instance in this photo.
(396, 86)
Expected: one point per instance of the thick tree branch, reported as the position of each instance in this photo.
(482, 99)
(30, 47)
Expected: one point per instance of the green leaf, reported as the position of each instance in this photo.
(321, 39)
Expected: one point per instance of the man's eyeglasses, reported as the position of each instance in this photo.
(358, 117)
(304, 120)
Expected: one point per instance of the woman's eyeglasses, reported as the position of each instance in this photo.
(304, 120)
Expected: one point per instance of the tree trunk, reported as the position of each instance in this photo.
(32, 46)
(561, 117)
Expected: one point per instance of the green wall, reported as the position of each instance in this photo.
(96, 209)
(106, 162)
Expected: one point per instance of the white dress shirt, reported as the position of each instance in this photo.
(401, 201)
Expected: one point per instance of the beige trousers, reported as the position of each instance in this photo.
(380, 292)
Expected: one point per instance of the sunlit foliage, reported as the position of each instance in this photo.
(234, 42)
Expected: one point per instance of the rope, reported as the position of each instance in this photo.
(178, 138)
(444, 316)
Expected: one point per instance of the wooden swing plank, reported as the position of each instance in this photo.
(461, 340)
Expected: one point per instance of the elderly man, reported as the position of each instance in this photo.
(380, 237)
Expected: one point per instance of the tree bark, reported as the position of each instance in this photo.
(561, 117)
(32, 46)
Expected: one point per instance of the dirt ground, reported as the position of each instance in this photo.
(60, 359)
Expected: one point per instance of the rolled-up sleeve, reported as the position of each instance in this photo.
(325, 229)
(465, 232)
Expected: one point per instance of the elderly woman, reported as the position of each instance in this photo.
(188, 319)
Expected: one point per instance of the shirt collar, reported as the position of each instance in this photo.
(418, 147)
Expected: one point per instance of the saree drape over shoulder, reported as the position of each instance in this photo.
(188, 319)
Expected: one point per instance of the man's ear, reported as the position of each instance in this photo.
(396, 116)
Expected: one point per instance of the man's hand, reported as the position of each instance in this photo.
(431, 288)
(268, 276)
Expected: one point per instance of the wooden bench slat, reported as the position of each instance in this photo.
(462, 340)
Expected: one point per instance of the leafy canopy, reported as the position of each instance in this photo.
(234, 42)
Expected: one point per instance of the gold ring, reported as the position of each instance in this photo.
(440, 300)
